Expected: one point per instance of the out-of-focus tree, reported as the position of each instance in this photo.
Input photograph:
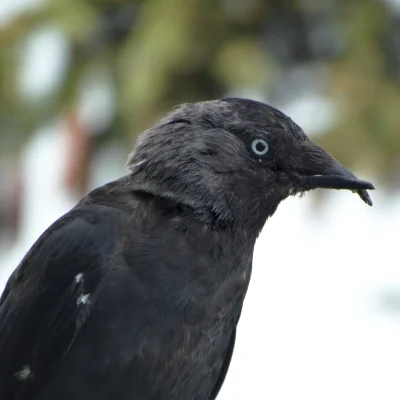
(158, 53)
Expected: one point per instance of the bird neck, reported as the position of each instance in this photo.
(219, 208)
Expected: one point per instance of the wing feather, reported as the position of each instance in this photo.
(47, 299)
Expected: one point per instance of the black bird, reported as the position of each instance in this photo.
(137, 291)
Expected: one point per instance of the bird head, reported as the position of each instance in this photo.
(233, 161)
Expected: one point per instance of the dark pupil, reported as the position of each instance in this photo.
(260, 147)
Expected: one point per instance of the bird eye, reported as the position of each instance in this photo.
(259, 147)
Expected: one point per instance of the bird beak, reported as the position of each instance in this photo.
(318, 169)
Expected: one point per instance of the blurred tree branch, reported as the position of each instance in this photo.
(163, 52)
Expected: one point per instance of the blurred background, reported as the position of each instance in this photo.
(79, 79)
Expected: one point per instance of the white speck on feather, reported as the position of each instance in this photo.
(139, 164)
(79, 278)
(83, 299)
(23, 373)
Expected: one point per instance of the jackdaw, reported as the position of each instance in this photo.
(135, 294)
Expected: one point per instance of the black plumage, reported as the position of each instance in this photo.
(137, 291)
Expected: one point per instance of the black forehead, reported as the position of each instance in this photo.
(262, 115)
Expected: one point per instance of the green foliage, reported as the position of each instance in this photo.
(190, 50)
